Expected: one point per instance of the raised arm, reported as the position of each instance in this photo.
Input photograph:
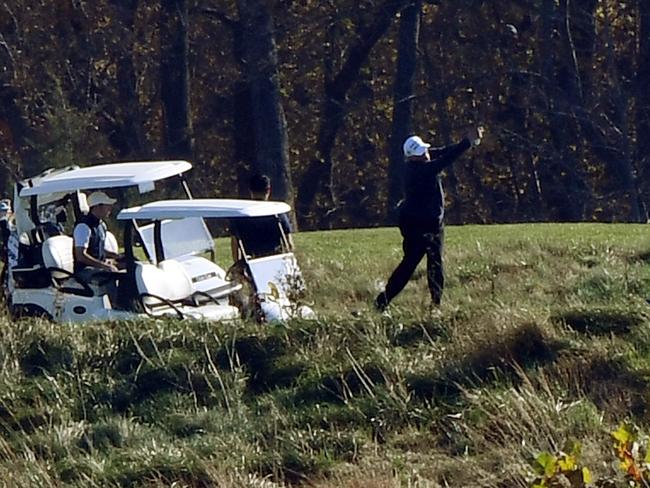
(449, 154)
(443, 156)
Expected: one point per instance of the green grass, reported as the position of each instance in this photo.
(543, 339)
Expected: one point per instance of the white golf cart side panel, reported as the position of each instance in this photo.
(66, 307)
(277, 279)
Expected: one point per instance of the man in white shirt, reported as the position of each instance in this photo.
(89, 235)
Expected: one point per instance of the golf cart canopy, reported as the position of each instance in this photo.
(204, 207)
(114, 175)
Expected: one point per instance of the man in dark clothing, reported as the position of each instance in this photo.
(260, 236)
(5, 227)
(422, 213)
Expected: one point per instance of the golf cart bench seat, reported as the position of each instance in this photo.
(58, 256)
(58, 259)
(167, 288)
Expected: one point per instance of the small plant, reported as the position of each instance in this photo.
(562, 469)
(630, 454)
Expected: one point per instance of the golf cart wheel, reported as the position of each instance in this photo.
(29, 310)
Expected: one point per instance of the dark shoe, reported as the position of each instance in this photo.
(381, 302)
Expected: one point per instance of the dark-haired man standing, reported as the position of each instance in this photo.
(260, 236)
(422, 212)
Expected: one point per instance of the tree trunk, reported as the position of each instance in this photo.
(128, 134)
(174, 79)
(403, 98)
(563, 187)
(21, 133)
(439, 87)
(315, 180)
(643, 106)
(615, 151)
(622, 163)
(267, 114)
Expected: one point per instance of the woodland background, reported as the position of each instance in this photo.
(320, 94)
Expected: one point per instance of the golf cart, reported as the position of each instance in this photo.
(178, 275)
(37, 273)
(175, 240)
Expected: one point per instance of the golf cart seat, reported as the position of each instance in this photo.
(183, 241)
(58, 259)
(165, 282)
(111, 243)
(167, 289)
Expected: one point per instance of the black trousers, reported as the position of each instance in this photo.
(420, 237)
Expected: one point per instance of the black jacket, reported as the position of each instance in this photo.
(261, 236)
(424, 196)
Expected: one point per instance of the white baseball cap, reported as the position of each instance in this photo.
(4, 206)
(99, 198)
(415, 146)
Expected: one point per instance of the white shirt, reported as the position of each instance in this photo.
(81, 236)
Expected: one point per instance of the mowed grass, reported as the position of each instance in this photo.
(543, 339)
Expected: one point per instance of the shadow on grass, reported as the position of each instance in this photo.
(44, 356)
(267, 360)
(642, 256)
(293, 467)
(610, 383)
(599, 322)
(526, 347)
(337, 388)
(413, 334)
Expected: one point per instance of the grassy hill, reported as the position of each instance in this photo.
(543, 341)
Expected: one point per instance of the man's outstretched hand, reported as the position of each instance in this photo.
(475, 134)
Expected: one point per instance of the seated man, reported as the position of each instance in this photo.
(260, 236)
(90, 255)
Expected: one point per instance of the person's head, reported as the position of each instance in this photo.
(416, 149)
(5, 209)
(259, 186)
(100, 204)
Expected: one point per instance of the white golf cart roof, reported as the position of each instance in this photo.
(204, 207)
(113, 175)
